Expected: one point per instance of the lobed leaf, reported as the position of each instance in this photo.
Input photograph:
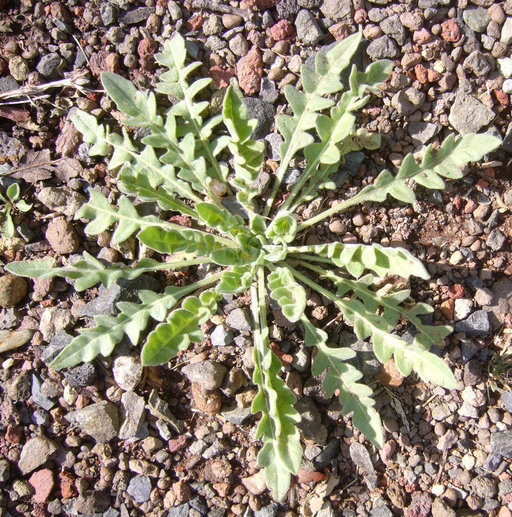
(290, 295)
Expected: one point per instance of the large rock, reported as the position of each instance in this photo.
(208, 374)
(100, 420)
(336, 9)
(469, 115)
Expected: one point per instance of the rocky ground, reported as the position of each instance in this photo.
(110, 439)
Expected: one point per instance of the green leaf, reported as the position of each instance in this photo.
(180, 329)
(290, 295)
(174, 241)
(282, 228)
(13, 192)
(93, 133)
(218, 217)
(237, 280)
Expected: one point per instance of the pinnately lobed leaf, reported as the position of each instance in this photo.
(201, 167)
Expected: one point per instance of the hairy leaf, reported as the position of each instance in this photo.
(290, 295)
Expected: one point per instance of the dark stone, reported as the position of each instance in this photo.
(136, 15)
(261, 111)
(49, 64)
(81, 375)
(501, 443)
(199, 503)
(287, 9)
(477, 324)
(58, 342)
(329, 452)
(182, 510)
(472, 372)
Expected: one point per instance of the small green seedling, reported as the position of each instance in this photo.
(190, 162)
(11, 201)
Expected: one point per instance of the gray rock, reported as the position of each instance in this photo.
(496, 240)
(501, 443)
(108, 13)
(237, 415)
(336, 9)
(309, 4)
(199, 503)
(38, 397)
(268, 90)
(221, 336)
(139, 488)
(506, 400)
(274, 141)
(62, 200)
(311, 421)
(36, 452)
(183, 510)
(53, 320)
(57, 343)
(422, 132)
(468, 411)
(238, 319)
(48, 65)
(18, 386)
(506, 31)
(476, 18)
(292, 176)
(287, 9)
(99, 420)
(127, 371)
(393, 27)
(476, 325)
(40, 417)
(463, 308)
(407, 101)
(361, 457)
(484, 486)
(269, 510)
(160, 409)
(330, 451)
(4, 470)
(365, 360)
(472, 372)
(8, 83)
(91, 502)
(132, 415)
(383, 47)
(478, 63)
(80, 376)
(469, 115)
(136, 15)
(263, 112)
(308, 31)
(121, 290)
(208, 374)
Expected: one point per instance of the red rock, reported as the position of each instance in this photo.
(433, 75)
(62, 236)
(42, 481)
(310, 477)
(450, 31)
(421, 73)
(250, 72)
(146, 50)
(502, 97)
(457, 201)
(112, 62)
(456, 291)
(422, 36)
(207, 401)
(181, 491)
(470, 207)
(67, 484)
(482, 183)
(178, 443)
(282, 30)
(447, 308)
(59, 11)
(194, 23)
(339, 31)
(386, 453)
(221, 77)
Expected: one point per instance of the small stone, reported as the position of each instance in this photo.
(99, 420)
(255, 484)
(282, 30)
(42, 481)
(478, 63)
(506, 31)
(308, 31)
(484, 487)
(208, 374)
(407, 101)
(36, 452)
(139, 488)
(393, 27)
(250, 72)
(127, 371)
(477, 324)
(62, 236)
(422, 132)
(450, 32)
(501, 443)
(496, 239)
(62, 200)
(383, 47)
(361, 457)
(209, 401)
(238, 319)
(19, 69)
(263, 113)
(472, 372)
(468, 115)
(132, 415)
(463, 308)
(136, 15)
(80, 376)
(476, 18)
(49, 64)
(336, 9)
(441, 509)
(12, 290)
(239, 45)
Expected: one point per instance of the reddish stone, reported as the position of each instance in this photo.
(456, 291)
(310, 477)
(113, 62)
(67, 485)
(3, 66)
(482, 183)
(422, 36)
(13, 434)
(194, 23)
(450, 31)
(178, 443)
(282, 30)
(470, 207)
(448, 308)
(457, 201)
(221, 77)
(181, 491)
(59, 11)
(97, 62)
(256, 38)
(182, 220)
(490, 172)
(360, 16)
(207, 401)
(433, 75)
(339, 31)
(42, 481)
(502, 97)
(222, 488)
(146, 50)
(250, 72)
(421, 73)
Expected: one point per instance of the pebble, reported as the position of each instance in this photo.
(62, 236)
(336, 9)
(209, 401)
(477, 324)
(250, 71)
(62, 200)
(361, 457)
(36, 452)
(12, 290)
(42, 482)
(496, 239)
(139, 488)
(308, 31)
(407, 101)
(255, 484)
(472, 372)
(99, 420)
(132, 415)
(381, 48)
(463, 308)
(238, 319)
(49, 64)
(469, 115)
(263, 113)
(208, 374)
(127, 371)
(476, 18)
